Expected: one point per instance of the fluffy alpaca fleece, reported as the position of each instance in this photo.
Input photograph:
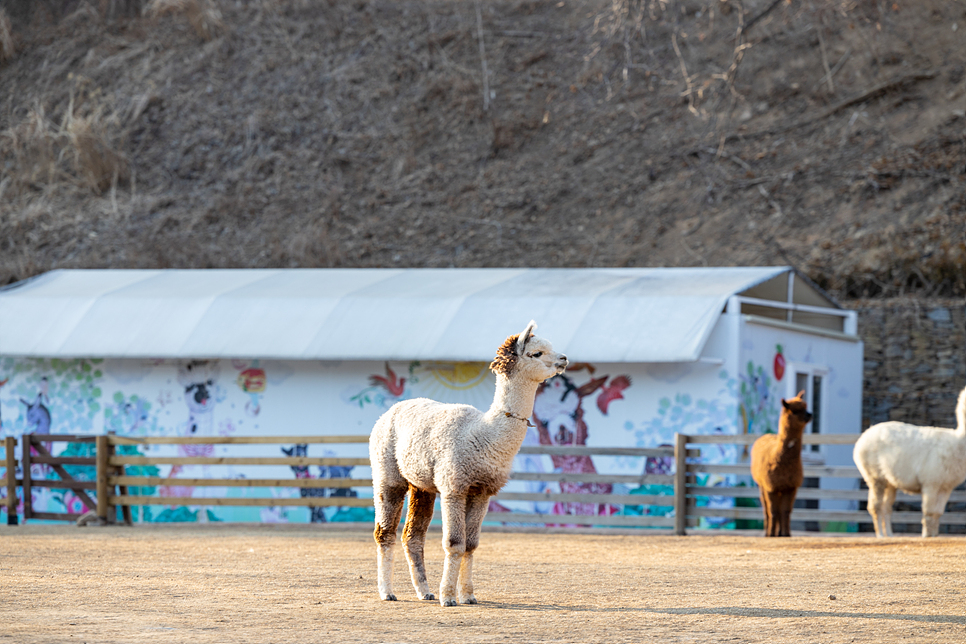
(427, 448)
(776, 466)
(930, 461)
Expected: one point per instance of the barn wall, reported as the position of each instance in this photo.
(593, 404)
(605, 404)
(770, 359)
(178, 398)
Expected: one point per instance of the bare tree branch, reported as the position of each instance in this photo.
(684, 72)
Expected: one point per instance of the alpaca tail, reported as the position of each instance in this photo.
(961, 412)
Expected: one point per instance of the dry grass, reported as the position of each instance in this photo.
(7, 46)
(204, 15)
(82, 150)
(33, 145)
(353, 134)
(95, 158)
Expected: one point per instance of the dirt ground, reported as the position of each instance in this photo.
(263, 584)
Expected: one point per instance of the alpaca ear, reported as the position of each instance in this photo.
(801, 394)
(522, 340)
(785, 404)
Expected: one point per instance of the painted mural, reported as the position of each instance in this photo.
(131, 398)
(633, 405)
(759, 395)
(225, 398)
(317, 514)
(218, 398)
(686, 413)
(559, 418)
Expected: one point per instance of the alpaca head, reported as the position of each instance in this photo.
(529, 356)
(795, 414)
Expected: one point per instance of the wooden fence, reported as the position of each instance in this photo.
(687, 492)
(37, 451)
(10, 481)
(684, 504)
(591, 508)
(115, 476)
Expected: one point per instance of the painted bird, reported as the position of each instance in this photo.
(390, 382)
(612, 392)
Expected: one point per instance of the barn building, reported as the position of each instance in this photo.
(654, 351)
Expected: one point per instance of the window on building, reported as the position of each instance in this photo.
(810, 379)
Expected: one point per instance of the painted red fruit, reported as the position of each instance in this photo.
(779, 366)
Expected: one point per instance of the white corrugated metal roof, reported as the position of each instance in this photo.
(599, 314)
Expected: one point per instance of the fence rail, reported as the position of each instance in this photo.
(587, 498)
(117, 478)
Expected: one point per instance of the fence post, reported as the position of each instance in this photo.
(10, 445)
(101, 455)
(680, 484)
(119, 470)
(28, 506)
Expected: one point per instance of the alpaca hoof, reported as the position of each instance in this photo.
(448, 602)
(428, 596)
(389, 598)
(470, 599)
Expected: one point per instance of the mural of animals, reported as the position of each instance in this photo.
(559, 416)
(317, 513)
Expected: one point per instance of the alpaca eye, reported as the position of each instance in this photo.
(537, 354)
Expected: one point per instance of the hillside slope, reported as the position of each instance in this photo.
(826, 135)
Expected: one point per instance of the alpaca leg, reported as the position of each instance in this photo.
(389, 504)
(881, 497)
(414, 538)
(785, 513)
(933, 506)
(888, 501)
(874, 506)
(764, 510)
(774, 508)
(476, 507)
(454, 544)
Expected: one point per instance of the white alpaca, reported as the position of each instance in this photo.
(464, 455)
(919, 460)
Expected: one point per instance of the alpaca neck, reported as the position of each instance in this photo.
(790, 431)
(961, 414)
(515, 398)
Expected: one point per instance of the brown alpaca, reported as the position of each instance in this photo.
(776, 466)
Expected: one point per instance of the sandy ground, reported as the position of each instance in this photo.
(304, 584)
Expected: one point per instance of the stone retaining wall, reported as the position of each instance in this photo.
(915, 359)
